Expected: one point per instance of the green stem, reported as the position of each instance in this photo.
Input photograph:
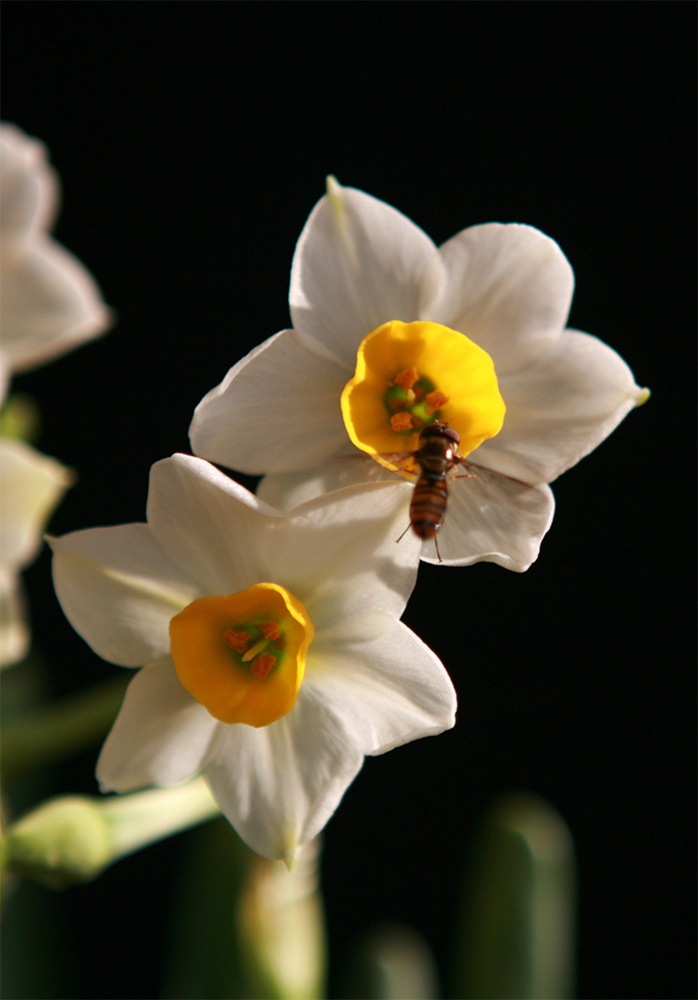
(54, 731)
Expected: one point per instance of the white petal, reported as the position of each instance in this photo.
(290, 489)
(358, 264)
(507, 287)
(208, 524)
(119, 591)
(491, 518)
(561, 408)
(380, 682)
(342, 553)
(161, 736)
(31, 486)
(14, 634)
(280, 784)
(276, 410)
(28, 186)
(337, 553)
(50, 304)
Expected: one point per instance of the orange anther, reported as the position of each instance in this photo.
(435, 400)
(262, 665)
(270, 630)
(402, 422)
(237, 640)
(407, 378)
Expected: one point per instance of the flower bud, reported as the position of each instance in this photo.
(74, 838)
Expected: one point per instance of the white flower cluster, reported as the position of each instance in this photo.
(272, 655)
(50, 304)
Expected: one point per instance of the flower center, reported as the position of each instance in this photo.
(412, 401)
(409, 375)
(242, 656)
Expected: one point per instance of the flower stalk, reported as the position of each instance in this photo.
(282, 932)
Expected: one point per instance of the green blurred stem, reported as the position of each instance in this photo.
(393, 962)
(516, 937)
(20, 418)
(57, 730)
(246, 928)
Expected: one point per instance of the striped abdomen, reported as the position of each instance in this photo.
(428, 506)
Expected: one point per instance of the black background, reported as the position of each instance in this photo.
(192, 142)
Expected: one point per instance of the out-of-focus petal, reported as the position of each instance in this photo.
(507, 287)
(161, 736)
(358, 263)
(560, 408)
(31, 486)
(276, 410)
(119, 590)
(50, 304)
(28, 186)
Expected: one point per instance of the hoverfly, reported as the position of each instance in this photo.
(437, 457)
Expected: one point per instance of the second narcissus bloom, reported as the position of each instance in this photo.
(273, 659)
(50, 301)
(391, 334)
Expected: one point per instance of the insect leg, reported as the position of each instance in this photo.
(436, 543)
(403, 534)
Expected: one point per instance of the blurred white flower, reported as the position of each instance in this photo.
(31, 486)
(475, 327)
(273, 657)
(50, 302)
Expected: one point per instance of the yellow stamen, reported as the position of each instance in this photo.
(401, 422)
(435, 400)
(204, 641)
(237, 640)
(261, 667)
(407, 378)
(270, 629)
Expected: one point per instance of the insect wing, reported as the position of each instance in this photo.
(490, 487)
(491, 517)
(402, 461)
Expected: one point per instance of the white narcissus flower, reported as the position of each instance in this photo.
(272, 656)
(392, 333)
(31, 486)
(50, 302)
